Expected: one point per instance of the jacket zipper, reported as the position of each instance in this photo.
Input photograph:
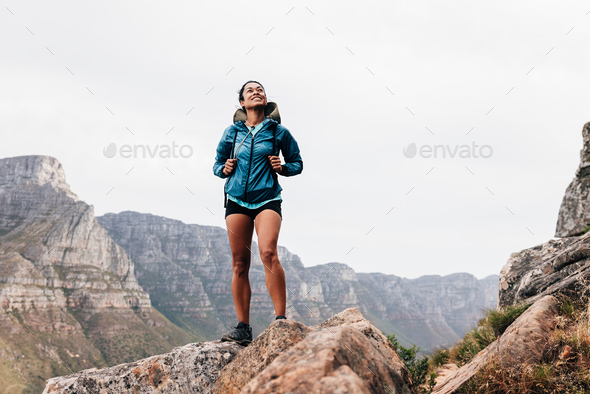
(249, 168)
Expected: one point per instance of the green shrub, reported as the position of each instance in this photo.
(418, 368)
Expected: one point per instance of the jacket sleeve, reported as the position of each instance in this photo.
(223, 151)
(293, 162)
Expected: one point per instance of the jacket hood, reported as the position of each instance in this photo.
(271, 111)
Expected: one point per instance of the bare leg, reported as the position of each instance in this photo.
(239, 230)
(268, 225)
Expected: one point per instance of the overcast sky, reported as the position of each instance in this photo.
(356, 84)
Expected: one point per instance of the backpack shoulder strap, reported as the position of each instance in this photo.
(231, 156)
(231, 153)
(275, 151)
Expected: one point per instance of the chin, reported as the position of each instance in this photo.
(258, 105)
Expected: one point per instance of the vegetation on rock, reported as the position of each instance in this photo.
(563, 369)
(418, 367)
(488, 329)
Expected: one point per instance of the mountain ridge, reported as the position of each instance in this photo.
(202, 255)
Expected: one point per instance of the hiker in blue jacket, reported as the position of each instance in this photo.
(248, 158)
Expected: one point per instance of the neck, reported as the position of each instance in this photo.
(255, 116)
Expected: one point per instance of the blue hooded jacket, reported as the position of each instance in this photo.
(253, 180)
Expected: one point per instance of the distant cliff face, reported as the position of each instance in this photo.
(186, 269)
(69, 294)
(574, 213)
(50, 239)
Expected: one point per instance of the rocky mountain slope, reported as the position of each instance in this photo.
(186, 269)
(69, 295)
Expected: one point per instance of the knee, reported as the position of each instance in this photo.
(240, 267)
(268, 255)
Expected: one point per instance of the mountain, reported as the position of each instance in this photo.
(81, 292)
(186, 269)
(69, 294)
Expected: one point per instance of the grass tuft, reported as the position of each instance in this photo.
(500, 319)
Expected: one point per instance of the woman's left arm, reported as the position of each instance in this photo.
(293, 162)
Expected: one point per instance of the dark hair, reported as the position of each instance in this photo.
(241, 92)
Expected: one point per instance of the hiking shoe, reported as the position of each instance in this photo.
(242, 334)
(281, 317)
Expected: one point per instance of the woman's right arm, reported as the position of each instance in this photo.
(223, 151)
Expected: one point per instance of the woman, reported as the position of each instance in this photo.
(248, 156)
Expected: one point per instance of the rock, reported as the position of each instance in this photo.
(344, 353)
(574, 213)
(567, 352)
(443, 372)
(282, 335)
(353, 318)
(557, 265)
(526, 340)
(333, 360)
(186, 269)
(193, 368)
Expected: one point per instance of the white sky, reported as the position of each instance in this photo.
(329, 68)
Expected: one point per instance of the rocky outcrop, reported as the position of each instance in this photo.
(193, 368)
(278, 337)
(557, 265)
(343, 354)
(574, 213)
(525, 341)
(327, 361)
(186, 269)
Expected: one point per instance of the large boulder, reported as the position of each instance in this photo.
(193, 368)
(332, 360)
(526, 340)
(268, 352)
(278, 337)
(574, 213)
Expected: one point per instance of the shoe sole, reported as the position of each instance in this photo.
(243, 342)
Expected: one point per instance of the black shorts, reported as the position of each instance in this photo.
(234, 207)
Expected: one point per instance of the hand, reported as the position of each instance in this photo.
(230, 165)
(275, 163)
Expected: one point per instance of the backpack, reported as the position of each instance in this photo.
(271, 111)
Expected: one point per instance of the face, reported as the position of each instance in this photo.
(253, 96)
